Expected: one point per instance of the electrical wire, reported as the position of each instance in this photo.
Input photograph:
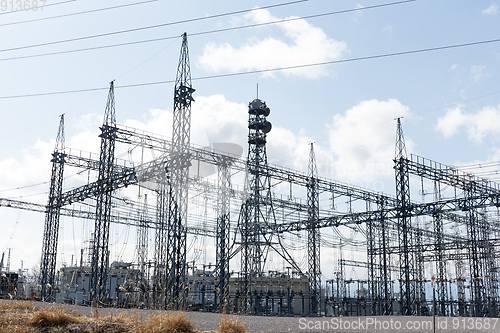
(192, 34)
(149, 27)
(22, 187)
(259, 71)
(50, 4)
(478, 166)
(78, 13)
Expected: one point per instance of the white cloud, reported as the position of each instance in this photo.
(308, 45)
(453, 67)
(484, 122)
(491, 10)
(478, 73)
(33, 168)
(362, 140)
(219, 120)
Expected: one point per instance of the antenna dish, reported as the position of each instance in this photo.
(267, 127)
(256, 103)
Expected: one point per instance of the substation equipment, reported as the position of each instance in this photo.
(459, 239)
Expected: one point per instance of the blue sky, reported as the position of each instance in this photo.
(450, 99)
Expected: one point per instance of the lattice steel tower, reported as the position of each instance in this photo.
(258, 208)
(222, 235)
(406, 259)
(51, 228)
(183, 96)
(100, 252)
(313, 236)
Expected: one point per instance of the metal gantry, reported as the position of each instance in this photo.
(404, 238)
(382, 222)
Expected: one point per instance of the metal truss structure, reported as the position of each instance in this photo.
(179, 162)
(100, 252)
(51, 229)
(313, 236)
(454, 233)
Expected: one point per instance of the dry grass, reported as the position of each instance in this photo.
(230, 325)
(16, 305)
(165, 323)
(13, 316)
(53, 316)
(24, 317)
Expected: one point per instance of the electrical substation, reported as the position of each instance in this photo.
(267, 244)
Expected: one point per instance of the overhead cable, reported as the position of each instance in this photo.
(78, 13)
(142, 41)
(146, 27)
(258, 71)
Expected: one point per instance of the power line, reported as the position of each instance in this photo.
(350, 59)
(385, 55)
(78, 13)
(205, 32)
(50, 4)
(304, 17)
(148, 27)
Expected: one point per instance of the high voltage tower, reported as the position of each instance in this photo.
(452, 232)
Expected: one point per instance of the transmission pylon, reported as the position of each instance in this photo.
(406, 259)
(183, 96)
(313, 236)
(100, 252)
(51, 228)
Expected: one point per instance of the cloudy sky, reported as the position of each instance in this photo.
(449, 99)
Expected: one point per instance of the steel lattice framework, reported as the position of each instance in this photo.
(257, 211)
(406, 258)
(313, 236)
(51, 229)
(100, 252)
(401, 235)
(183, 96)
(223, 236)
(142, 238)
